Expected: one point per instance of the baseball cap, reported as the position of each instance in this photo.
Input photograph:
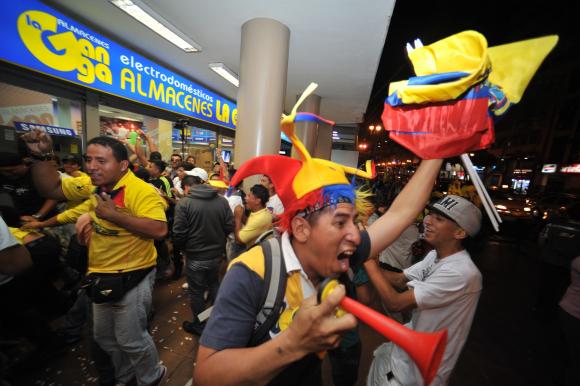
(219, 184)
(198, 172)
(460, 210)
(72, 158)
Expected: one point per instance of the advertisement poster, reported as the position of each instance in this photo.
(121, 128)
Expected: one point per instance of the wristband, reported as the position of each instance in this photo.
(43, 156)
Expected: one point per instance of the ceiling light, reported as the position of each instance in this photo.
(127, 118)
(225, 73)
(156, 23)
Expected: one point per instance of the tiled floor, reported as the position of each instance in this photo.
(177, 348)
(508, 345)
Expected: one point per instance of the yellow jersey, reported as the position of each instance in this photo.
(112, 248)
(77, 188)
(258, 223)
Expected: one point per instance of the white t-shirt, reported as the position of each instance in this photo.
(275, 206)
(7, 240)
(447, 292)
(398, 254)
(234, 201)
(177, 185)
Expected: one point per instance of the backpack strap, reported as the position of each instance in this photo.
(275, 288)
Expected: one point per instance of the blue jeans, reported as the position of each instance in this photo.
(120, 328)
(202, 275)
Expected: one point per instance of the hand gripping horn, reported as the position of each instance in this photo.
(425, 348)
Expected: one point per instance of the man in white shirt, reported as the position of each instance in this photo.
(274, 203)
(442, 290)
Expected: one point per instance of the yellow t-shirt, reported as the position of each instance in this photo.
(112, 248)
(82, 182)
(20, 234)
(258, 223)
(77, 188)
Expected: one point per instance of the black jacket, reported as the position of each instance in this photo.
(203, 220)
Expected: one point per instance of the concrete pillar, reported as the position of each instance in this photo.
(165, 129)
(263, 71)
(307, 131)
(324, 142)
(92, 124)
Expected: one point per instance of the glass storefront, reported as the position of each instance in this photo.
(197, 142)
(166, 136)
(22, 109)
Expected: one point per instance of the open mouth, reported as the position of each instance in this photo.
(344, 255)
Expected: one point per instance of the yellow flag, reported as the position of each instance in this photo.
(514, 64)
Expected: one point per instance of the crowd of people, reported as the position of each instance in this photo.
(87, 241)
(96, 243)
(161, 216)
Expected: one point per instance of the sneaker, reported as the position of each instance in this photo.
(185, 285)
(193, 328)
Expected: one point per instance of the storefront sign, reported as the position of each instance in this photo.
(522, 171)
(24, 127)
(571, 169)
(549, 168)
(39, 38)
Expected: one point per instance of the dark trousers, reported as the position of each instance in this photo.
(571, 328)
(27, 308)
(162, 257)
(202, 276)
(45, 253)
(344, 363)
(74, 323)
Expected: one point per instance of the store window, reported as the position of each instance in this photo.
(166, 137)
(22, 110)
(227, 149)
(197, 142)
(128, 126)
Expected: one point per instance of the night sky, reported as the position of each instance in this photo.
(499, 21)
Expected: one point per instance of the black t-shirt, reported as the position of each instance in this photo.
(27, 200)
(233, 318)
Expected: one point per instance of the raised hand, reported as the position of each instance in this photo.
(38, 142)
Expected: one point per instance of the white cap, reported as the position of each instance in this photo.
(462, 211)
(198, 172)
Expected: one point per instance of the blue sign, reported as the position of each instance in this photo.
(24, 127)
(41, 39)
(194, 134)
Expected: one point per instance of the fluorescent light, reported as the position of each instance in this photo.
(225, 73)
(156, 23)
(127, 118)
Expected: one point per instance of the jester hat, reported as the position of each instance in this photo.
(461, 88)
(308, 182)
